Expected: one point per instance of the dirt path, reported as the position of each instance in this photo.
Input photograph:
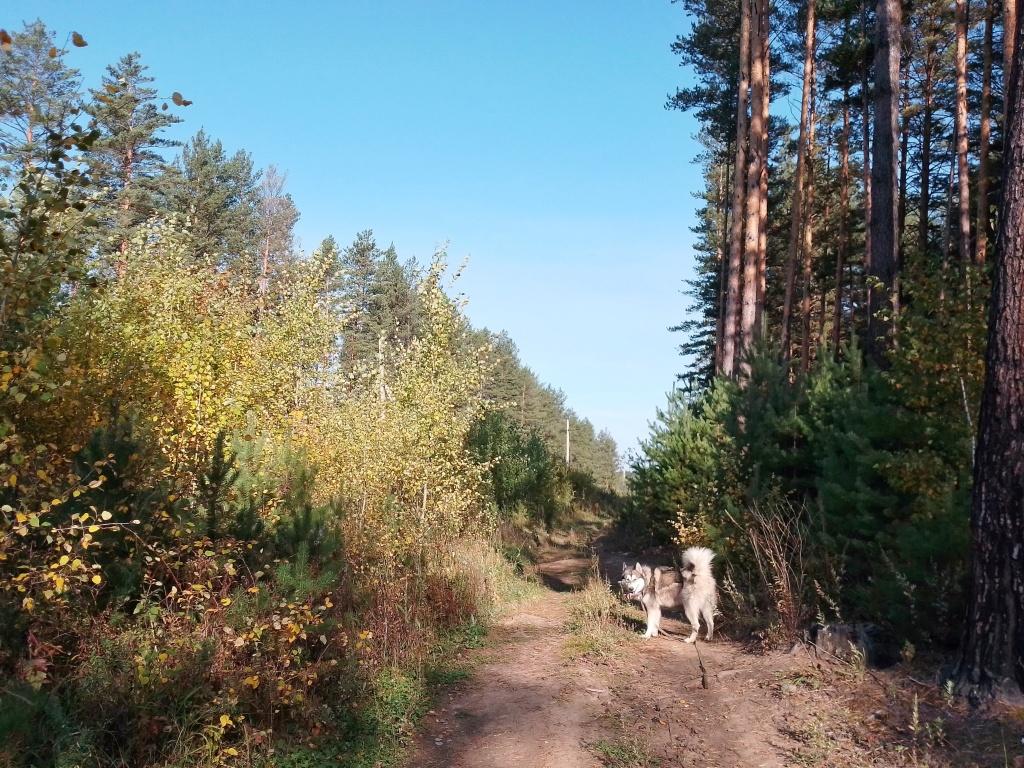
(528, 705)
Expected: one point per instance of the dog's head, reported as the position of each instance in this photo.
(635, 579)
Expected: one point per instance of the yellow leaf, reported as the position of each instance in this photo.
(225, 721)
(93, 528)
(96, 578)
(78, 40)
(225, 601)
(104, 515)
(252, 681)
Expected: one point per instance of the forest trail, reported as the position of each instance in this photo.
(528, 704)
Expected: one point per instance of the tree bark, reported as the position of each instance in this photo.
(762, 234)
(844, 223)
(796, 216)
(1011, 19)
(732, 299)
(984, 139)
(755, 167)
(865, 95)
(960, 115)
(723, 265)
(807, 244)
(826, 221)
(884, 179)
(992, 652)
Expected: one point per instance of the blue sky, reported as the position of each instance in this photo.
(530, 136)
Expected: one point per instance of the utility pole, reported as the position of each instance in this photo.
(566, 442)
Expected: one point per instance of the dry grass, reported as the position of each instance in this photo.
(841, 719)
(596, 623)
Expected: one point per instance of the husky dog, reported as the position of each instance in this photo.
(691, 588)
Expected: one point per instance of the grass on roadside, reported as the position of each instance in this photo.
(596, 624)
(624, 752)
(378, 733)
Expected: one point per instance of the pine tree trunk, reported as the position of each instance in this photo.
(992, 652)
(826, 222)
(963, 169)
(901, 220)
(1010, 21)
(866, 143)
(984, 139)
(732, 299)
(756, 166)
(884, 179)
(844, 223)
(901, 197)
(807, 244)
(796, 217)
(762, 234)
(924, 209)
(723, 265)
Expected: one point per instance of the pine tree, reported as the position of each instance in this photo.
(39, 96)
(798, 220)
(126, 162)
(884, 178)
(394, 304)
(359, 263)
(217, 197)
(992, 652)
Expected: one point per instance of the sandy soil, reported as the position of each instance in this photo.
(528, 705)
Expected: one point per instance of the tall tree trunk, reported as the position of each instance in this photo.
(844, 223)
(762, 223)
(884, 179)
(758, 142)
(963, 169)
(826, 221)
(807, 244)
(723, 265)
(992, 651)
(901, 206)
(927, 97)
(1011, 19)
(732, 298)
(984, 139)
(866, 143)
(796, 217)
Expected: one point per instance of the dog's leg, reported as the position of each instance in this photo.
(709, 620)
(692, 616)
(653, 621)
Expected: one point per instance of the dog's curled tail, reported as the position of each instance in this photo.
(700, 558)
